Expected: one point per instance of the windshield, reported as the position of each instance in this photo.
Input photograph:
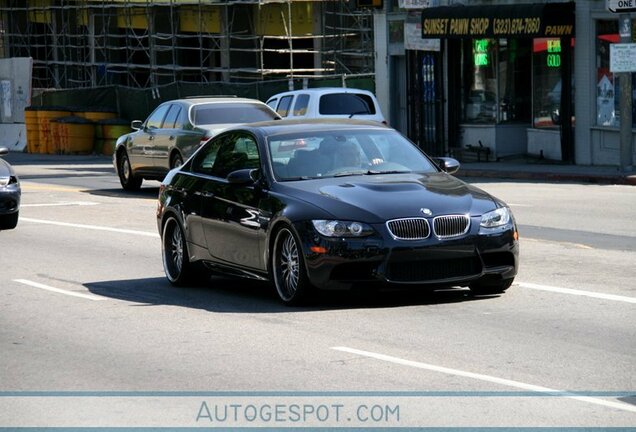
(224, 113)
(309, 155)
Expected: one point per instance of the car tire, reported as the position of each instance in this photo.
(129, 181)
(176, 161)
(174, 250)
(8, 221)
(289, 273)
(490, 287)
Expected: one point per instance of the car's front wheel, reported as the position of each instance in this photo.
(176, 261)
(288, 268)
(176, 161)
(490, 286)
(129, 181)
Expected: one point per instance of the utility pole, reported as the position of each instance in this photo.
(625, 31)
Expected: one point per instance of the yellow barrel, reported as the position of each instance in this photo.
(111, 130)
(76, 135)
(56, 135)
(45, 115)
(32, 129)
(95, 114)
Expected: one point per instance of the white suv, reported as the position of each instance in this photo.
(327, 102)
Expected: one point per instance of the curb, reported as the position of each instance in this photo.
(618, 179)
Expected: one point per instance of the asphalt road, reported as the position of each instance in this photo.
(92, 334)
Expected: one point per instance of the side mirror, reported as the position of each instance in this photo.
(3, 151)
(244, 176)
(449, 165)
(136, 124)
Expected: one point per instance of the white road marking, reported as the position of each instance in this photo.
(520, 205)
(91, 227)
(487, 378)
(68, 203)
(571, 291)
(58, 290)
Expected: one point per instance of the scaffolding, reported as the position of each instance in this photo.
(150, 43)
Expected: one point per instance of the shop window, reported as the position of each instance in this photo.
(496, 77)
(547, 60)
(608, 84)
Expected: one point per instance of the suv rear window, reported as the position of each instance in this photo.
(221, 113)
(346, 103)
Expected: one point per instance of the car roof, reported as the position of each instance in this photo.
(275, 127)
(220, 99)
(322, 90)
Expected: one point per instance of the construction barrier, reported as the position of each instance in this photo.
(44, 115)
(109, 131)
(76, 135)
(95, 114)
(32, 130)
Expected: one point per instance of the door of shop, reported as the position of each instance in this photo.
(426, 120)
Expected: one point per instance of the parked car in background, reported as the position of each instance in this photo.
(330, 102)
(9, 194)
(330, 204)
(174, 130)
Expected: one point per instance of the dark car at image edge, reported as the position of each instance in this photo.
(10, 193)
(278, 201)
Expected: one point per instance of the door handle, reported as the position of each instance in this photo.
(151, 137)
(171, 138)
(204, 194)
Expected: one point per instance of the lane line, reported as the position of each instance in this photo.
(59, 291)
(39, 186)
(487, 378)
(91, 227)
(67, 203)
(571, 291)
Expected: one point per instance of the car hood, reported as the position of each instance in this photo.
(377, 198)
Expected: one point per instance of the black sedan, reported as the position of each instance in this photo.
(9, 194)
(331, 204)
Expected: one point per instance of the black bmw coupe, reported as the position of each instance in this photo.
(331, 204)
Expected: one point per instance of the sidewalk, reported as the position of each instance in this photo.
(517, 169)
(522, 169)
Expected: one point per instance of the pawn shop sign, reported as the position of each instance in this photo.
(621, 6)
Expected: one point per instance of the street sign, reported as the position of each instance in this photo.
(621, 6)
(623, 57)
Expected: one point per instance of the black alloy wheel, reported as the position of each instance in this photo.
(176, 261)
(288, 268)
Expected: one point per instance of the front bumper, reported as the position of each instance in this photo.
(432, 262)
(9, 199)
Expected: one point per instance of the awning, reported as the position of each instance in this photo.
(504, 21)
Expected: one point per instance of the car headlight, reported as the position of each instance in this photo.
(497, 218)
(336, 228)
(4, 180)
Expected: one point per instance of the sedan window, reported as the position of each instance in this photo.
(155, 120)
(225, 113)
(283, 106)
(225, 154)
(171, 121)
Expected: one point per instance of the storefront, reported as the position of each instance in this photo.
(502, 80)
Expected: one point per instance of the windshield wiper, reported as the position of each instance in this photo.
(349, 173)
(359, 112)
(374, 172)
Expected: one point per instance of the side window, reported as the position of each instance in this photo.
(204, 160)
(172, 117)
(300, 107)
(283, 106)
(155, 119)
(238, 151)
(272, 103)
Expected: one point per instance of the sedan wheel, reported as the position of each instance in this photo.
(129, 181)
(288, 269)
(176, 161)
(176, 262)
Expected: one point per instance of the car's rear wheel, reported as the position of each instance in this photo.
(176, 161)
(129, 181)
(288, 268)
(174, 250)
(8, 221)
(490, 286)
